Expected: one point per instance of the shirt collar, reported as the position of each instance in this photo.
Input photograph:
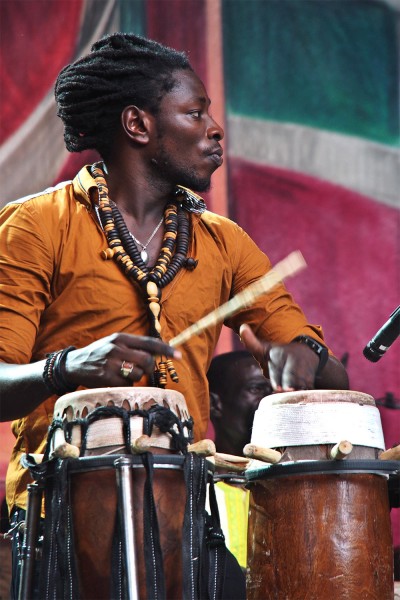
(85, 188)
(86, 192)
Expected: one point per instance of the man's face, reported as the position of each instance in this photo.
(187, 149)
(245, 387)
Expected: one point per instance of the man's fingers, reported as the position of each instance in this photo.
(290, 366)
(260, 350)
(147, 344)
(252, 343)
(131, 371)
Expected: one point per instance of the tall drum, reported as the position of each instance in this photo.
(319, 527)
(101, 426)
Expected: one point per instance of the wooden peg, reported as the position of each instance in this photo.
(141, 444)
(390, 454)
(230, 462)
(264, 454)
(203, 448)
(61, 448)
(38, 458)
(341, 450)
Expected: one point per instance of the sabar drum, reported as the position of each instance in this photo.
(106, 494)
(319, 528)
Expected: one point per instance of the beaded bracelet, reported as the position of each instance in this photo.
(53, 375)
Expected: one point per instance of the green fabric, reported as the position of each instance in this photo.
(328, 64)
(133, 16)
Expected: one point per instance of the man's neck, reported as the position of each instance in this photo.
(137, 194)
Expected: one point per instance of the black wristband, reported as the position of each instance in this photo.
(53, 375)
(320, 350)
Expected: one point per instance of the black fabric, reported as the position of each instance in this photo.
(231, 579)
(234, 580)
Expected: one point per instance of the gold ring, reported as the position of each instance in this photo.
(126, 368)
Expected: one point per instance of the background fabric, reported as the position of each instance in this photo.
(308, 92)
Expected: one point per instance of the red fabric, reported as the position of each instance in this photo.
(350, 244)
(73, 164)
(36, 40)
(190, 33)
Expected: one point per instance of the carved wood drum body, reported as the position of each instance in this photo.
(101, 437)
(319, 528)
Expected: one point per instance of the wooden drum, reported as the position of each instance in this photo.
(319, 527)
(98, 426)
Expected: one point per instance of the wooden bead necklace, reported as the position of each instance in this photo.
(124, 251)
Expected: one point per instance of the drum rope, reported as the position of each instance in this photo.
(193, 525)
(215, 541)
(58, 577)
(116, 567)
(159, 416)
(203, 544)
(155, 579)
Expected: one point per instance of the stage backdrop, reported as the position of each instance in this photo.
(308, 92)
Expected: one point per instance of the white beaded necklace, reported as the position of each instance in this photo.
(143, 254)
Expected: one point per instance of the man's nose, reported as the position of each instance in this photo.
(214, 131)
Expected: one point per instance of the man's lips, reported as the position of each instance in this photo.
(216, 156)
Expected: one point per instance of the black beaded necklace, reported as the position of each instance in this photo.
(125, 252)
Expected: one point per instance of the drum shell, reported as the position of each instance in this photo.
(317, 536)
(94, 494)
(94, 510)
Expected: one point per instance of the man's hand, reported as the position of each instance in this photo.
(288, 366)
(116, 360)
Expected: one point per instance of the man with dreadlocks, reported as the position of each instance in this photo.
(99, 273)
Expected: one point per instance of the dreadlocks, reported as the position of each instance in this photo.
(121, 69)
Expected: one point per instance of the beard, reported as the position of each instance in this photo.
(179, 174)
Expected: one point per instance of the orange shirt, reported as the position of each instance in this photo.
(56, 290)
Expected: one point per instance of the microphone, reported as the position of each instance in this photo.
(384, 338)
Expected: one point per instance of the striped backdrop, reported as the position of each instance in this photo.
(308, 92)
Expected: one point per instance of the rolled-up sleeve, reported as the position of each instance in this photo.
(274, 316)
(26, 266)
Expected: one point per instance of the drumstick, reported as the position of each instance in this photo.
(265, 454)
(290, 265)
(390, 454)
(341, 450)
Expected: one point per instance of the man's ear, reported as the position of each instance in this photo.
(215, 407)
(135, 123)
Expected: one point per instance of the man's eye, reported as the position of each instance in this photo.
(259, 389)
(196, 114)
